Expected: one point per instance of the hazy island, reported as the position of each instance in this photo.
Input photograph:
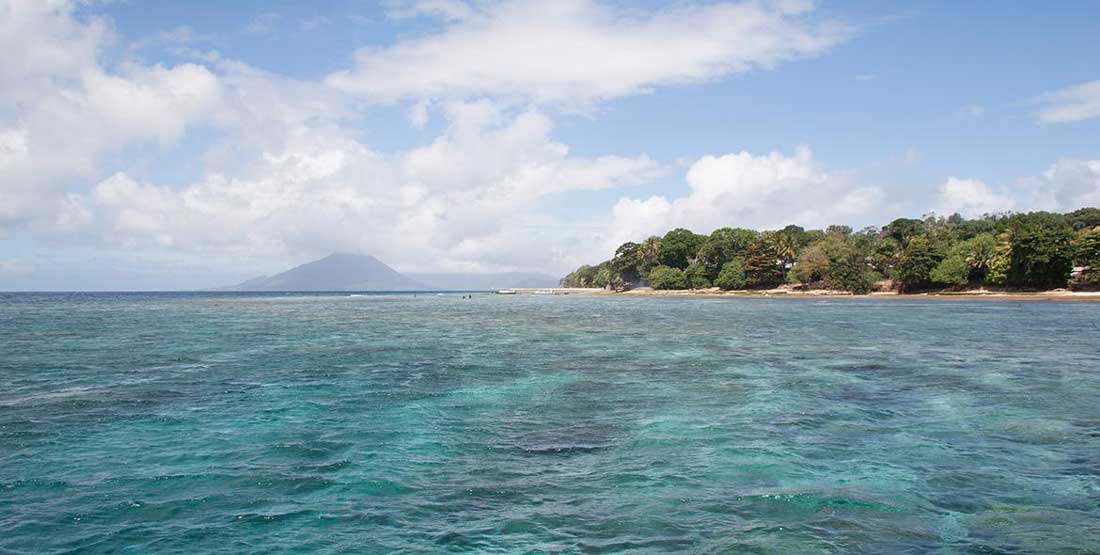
(1001, 253)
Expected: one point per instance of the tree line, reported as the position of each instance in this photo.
(1036, 250)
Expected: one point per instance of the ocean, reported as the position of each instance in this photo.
(231, 423)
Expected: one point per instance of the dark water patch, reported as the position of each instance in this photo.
(308, 450)
(338, 466)
(567, 440)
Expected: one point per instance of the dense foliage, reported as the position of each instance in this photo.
(1037, 250)
(666, 277)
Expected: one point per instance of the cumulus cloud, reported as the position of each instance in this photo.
(1076, 103)
(286, 174)
(747, 190)
(64, 110)
(461, 202)
(1065, 186)
(971, 197)
(579, 51)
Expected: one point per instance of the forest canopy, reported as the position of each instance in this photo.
(1035, 250)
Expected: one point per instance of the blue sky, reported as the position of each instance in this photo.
(162, 145)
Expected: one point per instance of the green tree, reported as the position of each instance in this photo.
(967, 262)
(968, 229)
(835, 263)
(625, 264)
(981, 253)
(1084, 218)
(915, 263)
(649, 254)
(588, 275)
(799, 234)
(811, 267)
(666, 277)
(604, 276)
(1000, 262)
(902, 229)
(721, 246)
(696, 276)
(732, 275)
(679, 248)
(785, 247)
(1086, 253)
(849, 272)
(883, 254)
(762, 265)
(952, 271)
(1041, 254)
(1086, 247)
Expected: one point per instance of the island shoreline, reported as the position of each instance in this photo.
(1086, 296)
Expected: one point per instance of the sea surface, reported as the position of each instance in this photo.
(270, 423)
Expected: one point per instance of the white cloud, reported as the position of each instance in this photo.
(153, 102)
(63, 110)
(45, 48)
(1076, 103)
(1066, 185)
(285, 176)
(746, 190)
(971, 198)
(462, 202)
(580, 51)
(13, 147)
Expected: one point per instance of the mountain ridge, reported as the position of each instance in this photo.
(335, 272)
(364, 272)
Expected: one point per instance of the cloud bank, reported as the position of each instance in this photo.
(283, 169)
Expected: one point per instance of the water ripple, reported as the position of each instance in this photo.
(225, 424)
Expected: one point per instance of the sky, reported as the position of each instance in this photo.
(159, 145)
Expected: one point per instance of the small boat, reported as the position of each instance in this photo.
(506, 291)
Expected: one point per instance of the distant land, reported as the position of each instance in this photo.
(363, 272)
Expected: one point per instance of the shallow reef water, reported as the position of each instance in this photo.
(205, 423)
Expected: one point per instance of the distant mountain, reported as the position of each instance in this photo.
(481, 282)
(336, 272)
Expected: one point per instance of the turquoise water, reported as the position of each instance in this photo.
(202, 423)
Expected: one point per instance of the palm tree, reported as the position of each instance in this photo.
(648, 254)
(785, 247)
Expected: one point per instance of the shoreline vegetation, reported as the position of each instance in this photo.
(1026, 256)
(790, 293)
